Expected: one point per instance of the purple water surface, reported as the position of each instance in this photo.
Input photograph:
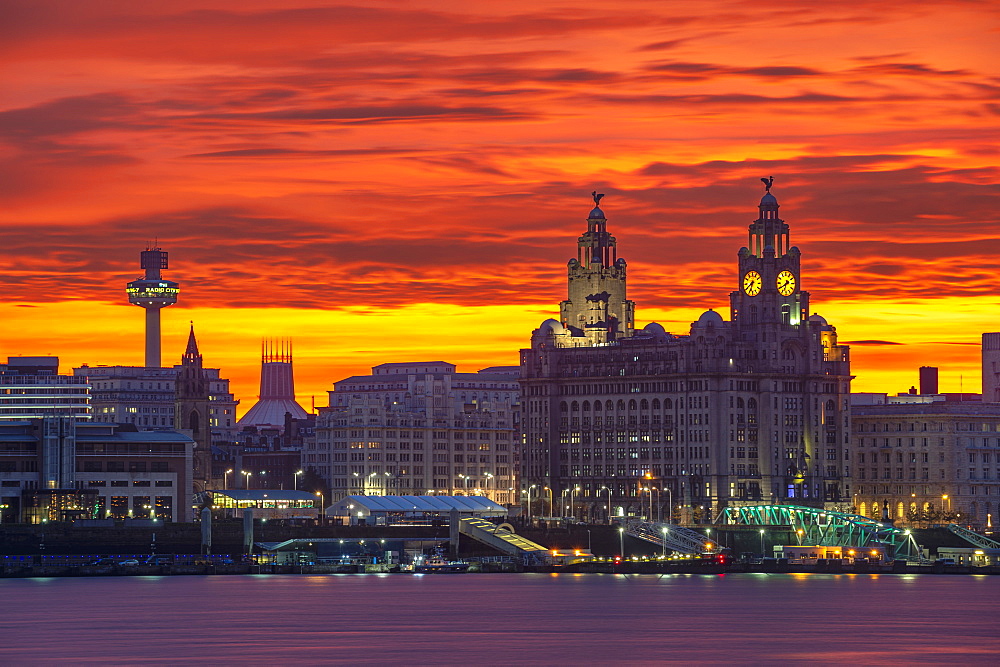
(501, 619)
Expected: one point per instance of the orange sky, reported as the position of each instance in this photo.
(390, 181)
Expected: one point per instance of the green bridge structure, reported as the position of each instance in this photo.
(814, 526)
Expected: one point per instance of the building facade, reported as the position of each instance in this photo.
(60, 468)
(628, 421)
(31, 387)
(932, 461)
(420, 428)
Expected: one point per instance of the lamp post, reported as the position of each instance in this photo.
(225, 479)
(621, 541)
(562, 502)
(529, 502)
(664, 543)
(670, 510)
(295, 479)
(322, 509)
(762, 554)
(609, 501)
(489, 477)
(572, 501)
(247, 474)
(551, 510)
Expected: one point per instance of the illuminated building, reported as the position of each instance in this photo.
(31, 387)
(414, 428)
(927, 461)
(750, 410)
(153, 293)
(60, 468)
(145, 397)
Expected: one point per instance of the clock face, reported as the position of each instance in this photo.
(785, 283)
(752, 283)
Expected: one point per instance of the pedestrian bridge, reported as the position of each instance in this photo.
(500, 538)
(827, 528)
(671, 536)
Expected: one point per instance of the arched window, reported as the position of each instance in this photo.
(575, 407)
(863, 509)
(668, 404)
(656, 404)
(621, 405)
(597, 406)
(751, 404)
(563, 407)
(632, 405)
(609, 406)
(644, 405)
(831, 406)
(586, 406)
(739, 402)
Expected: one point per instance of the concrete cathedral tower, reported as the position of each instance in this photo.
(192, 411)
(277, 388)
(597, 307)
(153, 293)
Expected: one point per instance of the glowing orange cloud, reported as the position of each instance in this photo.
(387, 182)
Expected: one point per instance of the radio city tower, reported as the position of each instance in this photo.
(153, 293)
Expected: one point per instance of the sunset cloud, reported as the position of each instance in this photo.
(364, 166)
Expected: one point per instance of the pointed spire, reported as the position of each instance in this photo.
(192, 346)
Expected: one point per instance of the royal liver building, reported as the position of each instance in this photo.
(746, 411)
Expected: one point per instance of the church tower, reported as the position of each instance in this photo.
(597, 307)
(770, 292)
(191, 412)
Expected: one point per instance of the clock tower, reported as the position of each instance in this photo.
(769, 291)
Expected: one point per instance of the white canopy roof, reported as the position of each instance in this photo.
(367, 505)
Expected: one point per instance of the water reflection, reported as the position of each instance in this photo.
(500, 619)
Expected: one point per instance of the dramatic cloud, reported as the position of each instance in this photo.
(385, 181)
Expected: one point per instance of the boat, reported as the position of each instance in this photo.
(436, 564)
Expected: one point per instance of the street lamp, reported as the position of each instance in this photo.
(225, 479)
(562, 502)
(621, 541)
(551, 510)
(762, 554)
(295, 479)
(609, 501)
(670, 510)
(572, 501)
(529, 502)
(488, 476)
(664, 529)
(247, 474)
(322, 509)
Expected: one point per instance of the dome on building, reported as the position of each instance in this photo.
(817, 318)
(768, 200)
(654, 328)
(710, 318)
(555, 326)
(596, 214)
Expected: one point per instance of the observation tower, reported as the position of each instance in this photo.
(153, 293)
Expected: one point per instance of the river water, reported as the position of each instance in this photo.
(502, 619)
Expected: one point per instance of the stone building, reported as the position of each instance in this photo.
(420, 428)
(640, 421)
(927, 461)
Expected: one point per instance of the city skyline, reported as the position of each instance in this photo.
(384, 182)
